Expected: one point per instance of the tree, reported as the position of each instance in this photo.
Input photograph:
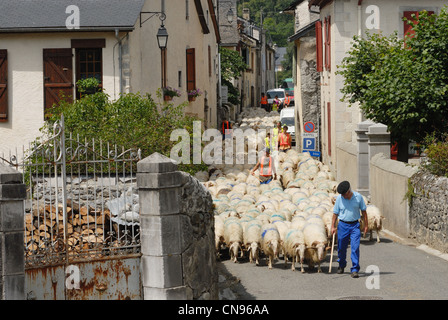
(280, 26)
(232, 66)
(402, 83)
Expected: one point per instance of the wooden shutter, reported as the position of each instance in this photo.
(191, 69)
(328, 43)
(58, 76)
(3, 86)
(319, 56)
(408, 28)
(329, 127)
(209, 61)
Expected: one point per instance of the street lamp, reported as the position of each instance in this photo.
(162, 37)
(230, 15)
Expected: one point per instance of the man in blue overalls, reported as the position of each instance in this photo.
(347, 209)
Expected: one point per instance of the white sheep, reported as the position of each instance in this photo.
(315, 240)
(233, 236)
(270, 242)
(295, 248)
(252, 240)
(374, 219)
(219, 233)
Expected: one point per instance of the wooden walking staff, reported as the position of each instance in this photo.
(331, 258)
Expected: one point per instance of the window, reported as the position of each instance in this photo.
(3, 86)
(319, 50)
(89, 59)
(191, 69)
(89, 64)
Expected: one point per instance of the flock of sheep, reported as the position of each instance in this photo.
(290, 216)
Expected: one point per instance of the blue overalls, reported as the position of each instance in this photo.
(348, 211)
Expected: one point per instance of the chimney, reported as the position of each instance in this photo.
(246, 14)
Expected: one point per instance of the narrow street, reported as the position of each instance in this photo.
(405, 273)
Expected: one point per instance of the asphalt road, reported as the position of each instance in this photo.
(394, 269)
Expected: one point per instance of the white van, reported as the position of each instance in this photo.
(287, 118)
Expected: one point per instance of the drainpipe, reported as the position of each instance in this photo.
(120, 72)
(359, 18)
(361, 114)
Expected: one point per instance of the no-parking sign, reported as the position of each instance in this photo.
(309, 127)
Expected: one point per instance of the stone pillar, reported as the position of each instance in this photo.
(379, 140)
(363, 156)
(12, 255)
(159, 185)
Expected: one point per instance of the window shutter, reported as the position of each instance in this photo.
(319, 46)
(328, 43)
(191, 69)
(3, 86)
(408, 28)
(329, 127)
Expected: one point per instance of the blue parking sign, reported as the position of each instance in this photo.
(309, 143)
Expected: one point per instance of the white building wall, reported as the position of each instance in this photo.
(347, 20)
(183, 33)
(26, 84)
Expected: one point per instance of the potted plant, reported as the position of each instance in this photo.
(192, 94)
(169, 93)
(87, 86)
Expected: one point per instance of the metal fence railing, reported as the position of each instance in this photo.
(82, 199)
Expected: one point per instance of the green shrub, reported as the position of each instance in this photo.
(437, 154)
(132, 121)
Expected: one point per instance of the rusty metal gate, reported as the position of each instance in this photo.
(82, 232)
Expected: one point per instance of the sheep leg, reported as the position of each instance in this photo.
(371, 235)
(377, 236)
(319, 270)
(270, 261)
(293, 263)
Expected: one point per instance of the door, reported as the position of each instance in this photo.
(58, 76)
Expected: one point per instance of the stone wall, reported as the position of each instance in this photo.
(177, 233)
(12, 265)
(428, 216)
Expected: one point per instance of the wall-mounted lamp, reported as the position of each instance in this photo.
(230, 15)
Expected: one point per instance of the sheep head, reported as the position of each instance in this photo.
(320, 251)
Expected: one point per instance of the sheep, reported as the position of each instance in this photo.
(298, 222)
(252, 240)
(374, 220)
(295, 248)
(233, 236)
(315, 240)
(219, 233)
(270, 242)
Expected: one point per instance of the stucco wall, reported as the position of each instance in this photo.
(26, 85)
(183, 33)
(346, 153)
(388, 187)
